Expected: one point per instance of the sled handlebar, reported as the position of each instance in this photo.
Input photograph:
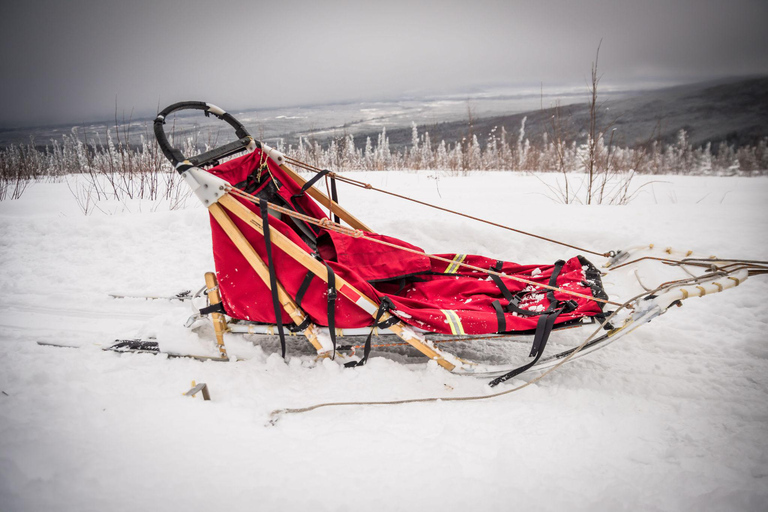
(245, 140)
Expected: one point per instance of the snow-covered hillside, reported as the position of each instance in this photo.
(672, 417)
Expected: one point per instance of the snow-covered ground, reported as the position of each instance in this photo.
(672, 417)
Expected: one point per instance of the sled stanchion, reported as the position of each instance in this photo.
(219, 322)
(344, 288)
(261, 269)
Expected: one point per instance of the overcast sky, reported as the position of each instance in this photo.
(72, 61)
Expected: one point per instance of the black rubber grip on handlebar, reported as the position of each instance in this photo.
(176, 156)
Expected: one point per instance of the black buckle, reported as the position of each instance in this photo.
(569, 305)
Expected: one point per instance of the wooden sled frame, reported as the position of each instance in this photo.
(214, 194)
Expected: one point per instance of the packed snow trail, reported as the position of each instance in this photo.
(673, 417)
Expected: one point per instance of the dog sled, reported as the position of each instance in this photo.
(291, 261)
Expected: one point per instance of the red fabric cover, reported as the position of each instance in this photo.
(470, 294)
(377, 262)
(419, 303)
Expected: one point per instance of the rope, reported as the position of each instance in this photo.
(328, 224)
(368, 186)
(756, 267)
(277, 413)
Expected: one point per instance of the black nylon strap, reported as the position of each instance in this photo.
(303, 288)
(249, 184)
(500, 320)
(272, 276)
(512, 300)
(389, 322)
(307, 186)
(553, 282)
(543, 330)
(543, 327)
(385, 305)
(332, 294)
(301, 327)
(334, 198)
(253, 181)
(310, 182)
(213, 308)
(514, 307)
(501, 286)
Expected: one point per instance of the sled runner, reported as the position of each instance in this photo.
(290, 260)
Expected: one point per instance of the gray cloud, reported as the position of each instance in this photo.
(72, 61)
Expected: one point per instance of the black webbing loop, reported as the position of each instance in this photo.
(513, 301)
(300, 193)
(332, 294)
(272, 276)
(514, 307)
(213, 308)
(386, 324)
(543, 330)
(249, 184)
(253, 181)
(544, 325)
(301, 327)
(385, 305)
(309, 183)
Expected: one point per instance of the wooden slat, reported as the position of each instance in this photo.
(219, 322)
(261, 268)
(324, 200)
(343, 287)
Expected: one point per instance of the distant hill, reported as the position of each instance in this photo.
(734, 110)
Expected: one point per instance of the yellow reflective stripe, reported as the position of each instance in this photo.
(454, 322)
(454, 266)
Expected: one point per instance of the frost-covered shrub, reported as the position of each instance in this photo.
(117, 170)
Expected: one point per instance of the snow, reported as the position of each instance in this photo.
(672, 417)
